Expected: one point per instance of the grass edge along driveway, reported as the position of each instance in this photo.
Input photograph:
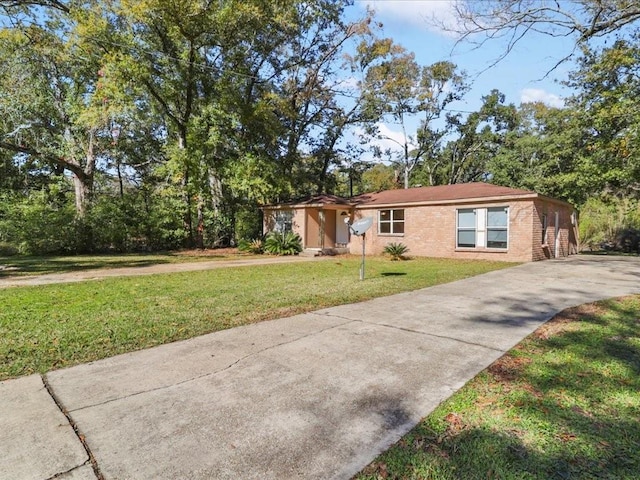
(54, 326)
(563, 404)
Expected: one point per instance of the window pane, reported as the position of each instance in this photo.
(398, 227)
(385, 214)
(467, 218)
(496, 238)
(385, 227)
(466, 238)
(398, 214)
(283, 221)
(497, 217)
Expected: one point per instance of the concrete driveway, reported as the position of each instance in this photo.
(315, 396)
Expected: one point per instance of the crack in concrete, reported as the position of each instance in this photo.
(216, 372)
(59, 475)
(410, 330)
(76, 430)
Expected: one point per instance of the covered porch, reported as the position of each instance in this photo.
(319, 220)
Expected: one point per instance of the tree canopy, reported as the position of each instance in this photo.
(156, 124)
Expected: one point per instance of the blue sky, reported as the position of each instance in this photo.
(520, 76)
(525, 75)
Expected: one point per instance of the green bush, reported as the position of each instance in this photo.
(286, 243)
(247, 223)
(255, 246)
(627, 240)
(112, 222)
(218, 229)
(396, 250)
(604, 222)
(8, 250)
(39, 225)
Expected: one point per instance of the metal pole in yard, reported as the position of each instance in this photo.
(364, 237)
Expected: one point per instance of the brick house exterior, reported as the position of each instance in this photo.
(473, 220)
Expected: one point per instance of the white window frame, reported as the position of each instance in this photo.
(482, 228)
(501, 228)
(392, 222)
(467, 229)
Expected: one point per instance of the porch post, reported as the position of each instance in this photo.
(321, 218)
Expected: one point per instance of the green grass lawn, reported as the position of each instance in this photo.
(54, 326)
(34, 265)
(564, 404)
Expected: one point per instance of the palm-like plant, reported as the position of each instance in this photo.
(396, 250)
(285, 243)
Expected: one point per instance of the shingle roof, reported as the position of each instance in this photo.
(316, 200)
(324, 199)
(416, 195)
(441, 193)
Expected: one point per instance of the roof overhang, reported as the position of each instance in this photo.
(364, 205)
(456, 201)
(298, 206)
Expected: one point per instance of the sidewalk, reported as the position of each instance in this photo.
(314, 396)
(85, 275)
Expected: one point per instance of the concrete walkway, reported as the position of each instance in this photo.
(96, 274)
(315, 396)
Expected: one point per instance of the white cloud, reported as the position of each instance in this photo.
(532, 95)
(388, 139)
(423, 13)
(349, 82)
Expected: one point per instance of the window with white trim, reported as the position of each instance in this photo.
(497, 224)
(391, 222)
(482, 227)
(466, 237)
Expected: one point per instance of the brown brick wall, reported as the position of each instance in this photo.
(431, 231)
(566, 231)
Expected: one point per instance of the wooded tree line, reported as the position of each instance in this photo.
(160, 124)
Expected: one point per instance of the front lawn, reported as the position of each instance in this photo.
(564, 404)
(54, 326)
(20, 265)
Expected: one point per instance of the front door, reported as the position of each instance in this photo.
(312, 237)
(342, 229)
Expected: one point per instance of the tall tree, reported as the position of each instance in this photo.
(476, 139)
(607, 84)
(49, 112)
(546, 153)
(402, 91)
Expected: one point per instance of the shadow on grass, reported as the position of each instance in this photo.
(392, 274)
(40, 265)
(564, 405)
(47, 265)
(478, 453)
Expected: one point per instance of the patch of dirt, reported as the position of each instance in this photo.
(563, 321)
(209, 252)
(508, 368)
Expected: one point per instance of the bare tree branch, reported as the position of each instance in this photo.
(7, 5)
(481, 21)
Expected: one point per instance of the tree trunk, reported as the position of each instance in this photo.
(83, 178)
(186, 197)
(82, 188)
